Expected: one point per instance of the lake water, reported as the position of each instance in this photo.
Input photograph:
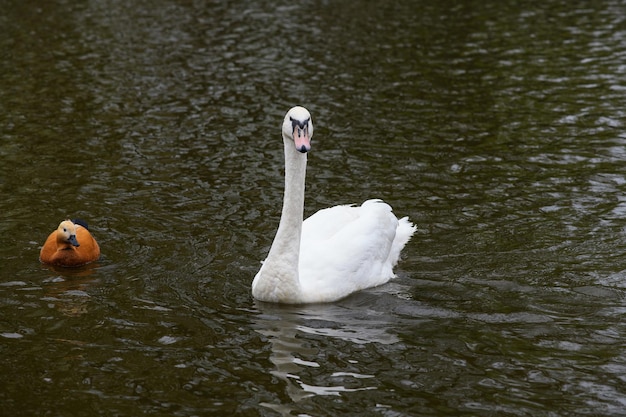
(498, 127)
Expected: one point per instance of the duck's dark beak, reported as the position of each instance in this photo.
(73, 240)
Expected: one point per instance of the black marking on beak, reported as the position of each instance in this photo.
(301, 124)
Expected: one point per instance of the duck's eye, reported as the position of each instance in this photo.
(64, 229)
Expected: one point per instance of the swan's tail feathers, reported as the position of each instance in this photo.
(404, 232)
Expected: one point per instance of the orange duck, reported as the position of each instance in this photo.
(70, 245)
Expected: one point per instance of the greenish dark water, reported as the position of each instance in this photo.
(497, 127)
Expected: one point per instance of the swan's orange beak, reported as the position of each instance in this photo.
(301, 138)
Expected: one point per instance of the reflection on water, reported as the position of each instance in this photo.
(69, 291)
(498, 127)
(284, 326)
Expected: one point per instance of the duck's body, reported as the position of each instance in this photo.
(70, 245)
(335, 252)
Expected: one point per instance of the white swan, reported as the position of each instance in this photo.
(336, 251)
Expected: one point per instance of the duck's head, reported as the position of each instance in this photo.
(298, 127)
(66, 233)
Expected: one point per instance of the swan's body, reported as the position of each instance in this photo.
(336, 251)
(70, 245)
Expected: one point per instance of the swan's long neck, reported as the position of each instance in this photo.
(287, 240)
(278, 278)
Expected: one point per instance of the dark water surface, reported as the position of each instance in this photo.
(497, 126)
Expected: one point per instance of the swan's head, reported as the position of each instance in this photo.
(66, 233)
(298, 127)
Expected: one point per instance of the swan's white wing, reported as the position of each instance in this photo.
(345, 249)
(327, 222)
